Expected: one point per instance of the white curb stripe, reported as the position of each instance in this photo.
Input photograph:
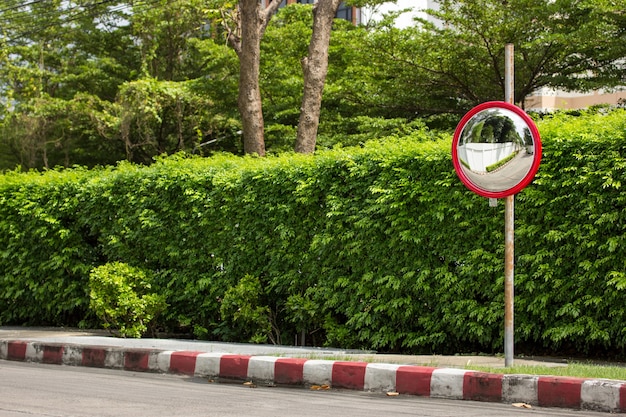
(114, 359)
(380, 377)
(600, 395)
(161, 361)
(520, 388)
(4, 349)
(447, 383)
(208, 365)
(33, 353)
(318, 372)
(261, 368)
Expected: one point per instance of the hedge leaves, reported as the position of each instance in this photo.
(377, 247)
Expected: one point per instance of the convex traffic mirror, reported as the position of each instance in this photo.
(496, 149)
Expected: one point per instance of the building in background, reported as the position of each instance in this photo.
(547, 99)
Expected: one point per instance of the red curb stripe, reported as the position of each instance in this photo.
(16, 351)
(480, 386)
(414, 380)
(622, 398)
(183, 362)
(559, 392)
(93, 357)
(289, 371)
(136, 360)
(52, 354)
(349, 375)
(234, 366)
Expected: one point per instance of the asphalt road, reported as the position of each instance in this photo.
(29, 389)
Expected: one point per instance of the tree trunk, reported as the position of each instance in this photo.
(249, 100)
(315, 68)
(253, 20)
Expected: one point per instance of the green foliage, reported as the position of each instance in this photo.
(243, 314)
(45, 257)
(458, 62)
(378, 246)
(121, 296)
(284, 45)
(93, 83)
(59, 70)
(161, 117)
(338, 131)
(573, 224)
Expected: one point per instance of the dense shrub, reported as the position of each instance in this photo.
(45, 255)
(121, 296)
(377, 247)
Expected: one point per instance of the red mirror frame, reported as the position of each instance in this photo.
(536, 142)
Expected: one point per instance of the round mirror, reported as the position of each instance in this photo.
(496, 149)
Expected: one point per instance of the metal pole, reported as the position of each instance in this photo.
(509, 74)
(509, 231)
(509, 250)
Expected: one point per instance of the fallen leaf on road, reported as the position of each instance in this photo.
(522, 405)
(320, 387)
(393, 394)
(250, 384)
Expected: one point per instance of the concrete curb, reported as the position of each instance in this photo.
(449, 383)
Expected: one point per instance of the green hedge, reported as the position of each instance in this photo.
(379, 247)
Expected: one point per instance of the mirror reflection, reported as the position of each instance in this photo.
(495, 149)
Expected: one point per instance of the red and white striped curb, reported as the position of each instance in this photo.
(450, 383)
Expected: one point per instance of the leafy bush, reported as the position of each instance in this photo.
(244, 314)
(120, 296)
(45, 256)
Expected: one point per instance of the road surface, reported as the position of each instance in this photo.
(29, 389)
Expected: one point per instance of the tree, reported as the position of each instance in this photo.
(457, 61)
(250, 20)
(92, 83)
(564, 43)
(170, 107)
(164, 32)
(315, 68)
(58, 59)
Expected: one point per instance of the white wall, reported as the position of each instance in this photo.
(481, 155)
